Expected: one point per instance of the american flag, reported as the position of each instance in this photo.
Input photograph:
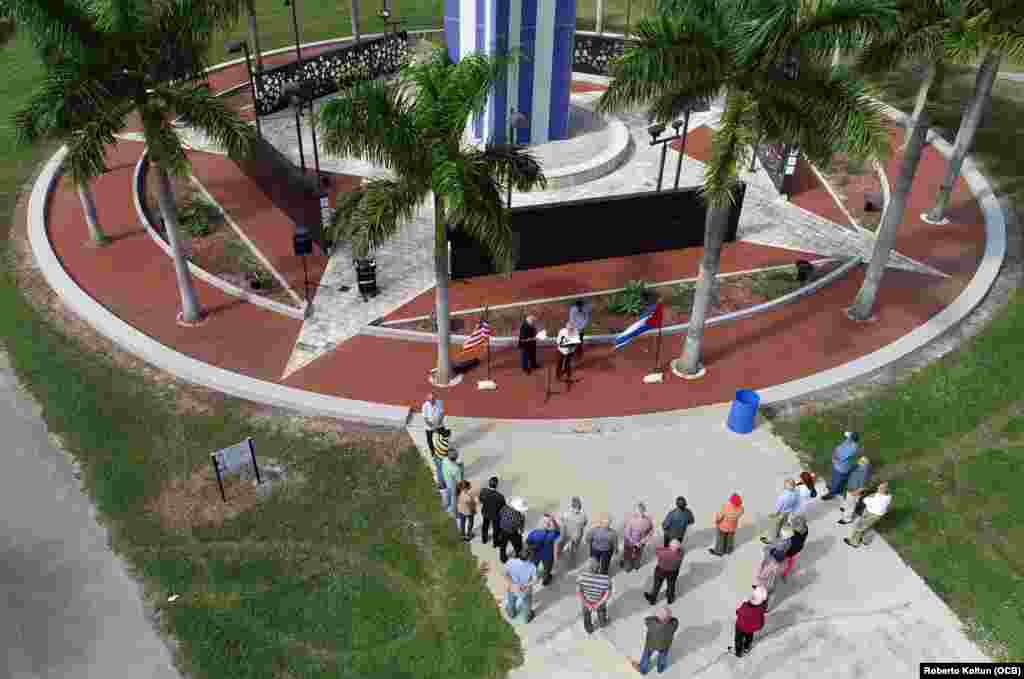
(481, 335)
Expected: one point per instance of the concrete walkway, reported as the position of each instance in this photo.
(845, 613)
(68, 607)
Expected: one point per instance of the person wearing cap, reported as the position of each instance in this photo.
(454, 472)
(842, 464)
(876, 506)
(859, 477)
(433, 420)
(511, 520)
(677, 521)
(787, 503)
(749, 620)
(542, 541)
(726, 520)
(772, 565)
(637, 530)
(528, 344)
(660, 630)
(593, 589)
(603, 542)
(579, 316)
(520, 576)
(491, 502)
(574, 524)
(670, 559)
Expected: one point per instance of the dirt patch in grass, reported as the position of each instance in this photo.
(735, 294)
(196, 501)
(852, 180)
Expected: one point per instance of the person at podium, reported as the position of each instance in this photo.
(568, 341)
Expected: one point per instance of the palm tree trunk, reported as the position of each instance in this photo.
(920, 102)
(965, 135)
(893, 217)
(191, 312)
(441, 299)
(254, 34)
(96, 235)
(837, 55)
(716, 223)
(355, 20)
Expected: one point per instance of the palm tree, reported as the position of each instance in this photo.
(999, 28)
(919, 35)
(414, 127)
(704, 47)
(124, 57)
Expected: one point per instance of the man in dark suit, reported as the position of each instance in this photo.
(491, 502)
(528, 344)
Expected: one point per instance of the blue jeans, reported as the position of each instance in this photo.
(645, 661)
(839, 479)
(519, 605)
(437, 468)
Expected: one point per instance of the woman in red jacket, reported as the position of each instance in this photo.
(749, 619)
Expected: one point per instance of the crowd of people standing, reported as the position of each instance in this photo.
(559, 537)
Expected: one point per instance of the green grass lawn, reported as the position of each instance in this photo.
(352, 572)
(951, 438)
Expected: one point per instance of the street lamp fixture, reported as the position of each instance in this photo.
(299, 94)
(234, 47)
(680, 128)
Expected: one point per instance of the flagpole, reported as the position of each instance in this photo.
(488, 347)
(657, 351)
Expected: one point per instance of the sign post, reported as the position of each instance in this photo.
(233, 459)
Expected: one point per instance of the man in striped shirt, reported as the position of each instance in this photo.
(594, 588)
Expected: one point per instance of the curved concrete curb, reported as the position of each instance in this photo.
(178, 364)
(966, 301)
(605, 163)
(249, 388)
(202, 274)
(415, 336)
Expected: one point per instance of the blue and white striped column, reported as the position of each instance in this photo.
(542, 33)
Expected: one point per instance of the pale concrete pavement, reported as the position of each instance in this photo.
(68, 609)
(845, 613)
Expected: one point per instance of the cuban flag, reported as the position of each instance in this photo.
(650, 320)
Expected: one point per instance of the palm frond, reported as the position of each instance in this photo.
(372, 214)
(164, 144)
(466, 88)
(374, 121)
(482, 213)
(510, 162)
(67, 26)
(730, 148)
(212, 116)
(671, 55)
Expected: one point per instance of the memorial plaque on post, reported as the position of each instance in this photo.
(232, 460)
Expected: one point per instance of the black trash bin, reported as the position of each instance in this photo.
(804, 270)
(366, 277)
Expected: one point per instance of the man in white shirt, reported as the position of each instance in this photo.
(579, 316)
(875, 507)
(568, 341)
(433, 419)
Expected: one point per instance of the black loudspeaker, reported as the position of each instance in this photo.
(302, 241)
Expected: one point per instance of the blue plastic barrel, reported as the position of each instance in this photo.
(743, 412)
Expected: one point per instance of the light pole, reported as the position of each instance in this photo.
(517, 120)
(700, 107)
(295, 27)
(234, 47)
(300, 94)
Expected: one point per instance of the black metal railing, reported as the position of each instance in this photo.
(593, 53)
(373, 58)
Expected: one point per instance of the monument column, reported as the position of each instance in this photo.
(541, 33)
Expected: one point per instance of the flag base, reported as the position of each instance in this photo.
(654, 378)
(677, 370)
(486, 385)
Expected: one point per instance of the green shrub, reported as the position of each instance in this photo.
(631, 301)
(681, 297)
(774, 284)
(195, 216)
(246, 262)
